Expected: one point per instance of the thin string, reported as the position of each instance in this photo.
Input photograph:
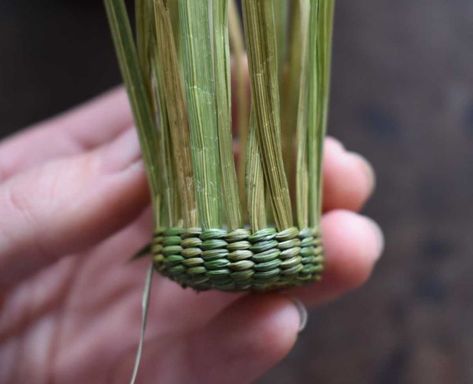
(144, 320)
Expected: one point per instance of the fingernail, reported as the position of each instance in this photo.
(302, 311)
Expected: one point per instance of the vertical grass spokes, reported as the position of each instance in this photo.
(300, 35)
(319, 60)
(325, 40)
(196, 43)
(254, 180)
(240, 77)
(290, 72)
(175, 108)
(144, 36)
(135, 84)
(258, 16)
(221, 57)
(177, 72)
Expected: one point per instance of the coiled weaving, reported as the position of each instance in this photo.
(238, 260)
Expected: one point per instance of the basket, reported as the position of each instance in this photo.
(247, 225)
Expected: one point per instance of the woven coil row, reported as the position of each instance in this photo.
(239, 260)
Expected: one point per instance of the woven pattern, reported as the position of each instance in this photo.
(238, 260)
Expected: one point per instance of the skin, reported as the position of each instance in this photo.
(73, 208)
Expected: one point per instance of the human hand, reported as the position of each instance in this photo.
(73, 200)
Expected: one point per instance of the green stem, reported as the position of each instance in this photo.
(231, 201)
(135, 85)
(320, 30)
(262, 54)
(302, 187)
(196, 46)
(254, 180)
(241, 94)
(175, 106)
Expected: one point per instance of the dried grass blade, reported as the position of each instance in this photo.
(320, 36)
(175, 106)
(196, 46)
(325, 42)
(168, 212)
(173, 6)
(134, 81)
(171, 207)
(255, 181)
(262, 52)
(221, 53)
(302, 177)
(144, 36)
(240, 77)
(291, 86)
(281, 19)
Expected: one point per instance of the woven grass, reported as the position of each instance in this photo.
(220, 224)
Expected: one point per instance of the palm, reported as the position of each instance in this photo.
(90, 316)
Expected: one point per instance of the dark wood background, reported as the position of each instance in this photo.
(403, 96)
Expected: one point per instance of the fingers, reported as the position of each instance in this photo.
(237, 346)
(353, 244)
(246, 340)
(68, 205)
(85, 127)
(348, 178)
(253, 333)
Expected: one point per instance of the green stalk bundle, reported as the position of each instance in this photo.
(251, 224)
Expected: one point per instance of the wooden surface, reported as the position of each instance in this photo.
(403, 96)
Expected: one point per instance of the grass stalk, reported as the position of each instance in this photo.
(291, 86)
(136, 88)
(240, 81)
(144, 36)
(176, 111)
(221, 54)
(254, 180)
(281, 19)
(302, 177)
(196, 44)
(170, 203)
(325, 42)
(260, 30)
(319, 59)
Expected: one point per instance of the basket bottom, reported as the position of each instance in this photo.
(239, 260)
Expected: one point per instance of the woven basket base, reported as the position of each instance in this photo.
(239, 260)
